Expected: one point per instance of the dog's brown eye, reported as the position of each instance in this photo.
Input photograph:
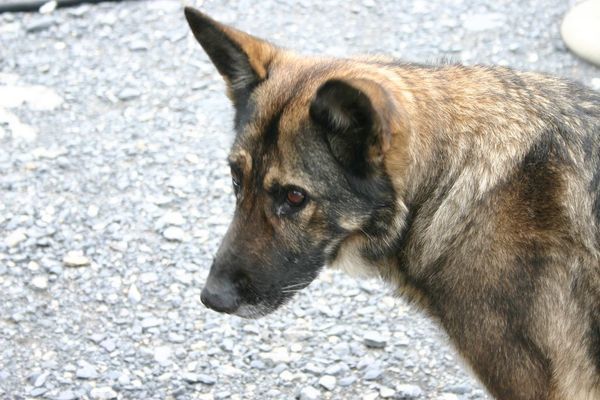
(295, 197)
(236, 184)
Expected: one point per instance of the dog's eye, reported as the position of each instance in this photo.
(236, 178)
(295, 197)
(236, 184)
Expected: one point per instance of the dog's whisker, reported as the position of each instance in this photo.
(299, 284)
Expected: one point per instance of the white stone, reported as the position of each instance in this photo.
(133, 294)
(386, 392)
(148, 277)
(309, 393)
(103, 393)
(21, 131)
(296, 347)
(170, 218)
(14, 238)
(277, 355)
(230, 371)
(178, 181)
(92, 211)
(375, 340)
(75, 259)
(48, 7)
(448, 396)
(18, 130)
(328, 382)
(596, 83)
(409, 391)
(40, 282)
(533, 58)
(162, 354)
(192, 158)
(151, 322)
(482, 22)
(8, 78)
(86, 371)
(581, 30)
(164, 5)
(286, 375)
(370, 396)
(48, 153)
(38, 98)
(174, 233)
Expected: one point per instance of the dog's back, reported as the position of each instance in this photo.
(503, 240)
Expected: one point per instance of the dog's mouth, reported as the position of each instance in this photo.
(254, 311)
(246, 301)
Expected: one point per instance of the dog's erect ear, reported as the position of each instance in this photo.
(243, 60)
(356, 115)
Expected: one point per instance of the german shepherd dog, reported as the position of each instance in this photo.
(475, 191)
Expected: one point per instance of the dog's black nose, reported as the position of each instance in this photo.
(220, 295)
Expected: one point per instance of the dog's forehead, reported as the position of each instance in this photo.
(279, 108)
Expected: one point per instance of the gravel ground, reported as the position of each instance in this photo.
(115, 192)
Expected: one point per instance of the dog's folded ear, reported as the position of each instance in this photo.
(243, 60)
(356, 116)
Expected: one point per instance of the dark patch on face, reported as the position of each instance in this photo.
(242, 102)
(378, 196)
(243, 113)
(271, 132)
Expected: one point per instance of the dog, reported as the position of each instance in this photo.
(474, 191)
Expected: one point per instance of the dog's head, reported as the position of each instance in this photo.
(307, 166)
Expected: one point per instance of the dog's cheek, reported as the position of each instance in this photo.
(349, 259)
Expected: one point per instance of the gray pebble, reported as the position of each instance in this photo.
(309, 393)
(37, 392)
(372, 373)
(313, 368)
(198, 378)
(151, 322)
(86, 371)
(347, 381)
(128, 94)
(336, 369)
(224, 394)
(66, 395)
(41, 379)
(328, 382)
(174, 233)
(375, 340)
(40, 24)
(108, 345)
(408, 391)
(39, 282)
(257, 364)
(458, 389)
(386, 392)
(103, 393)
